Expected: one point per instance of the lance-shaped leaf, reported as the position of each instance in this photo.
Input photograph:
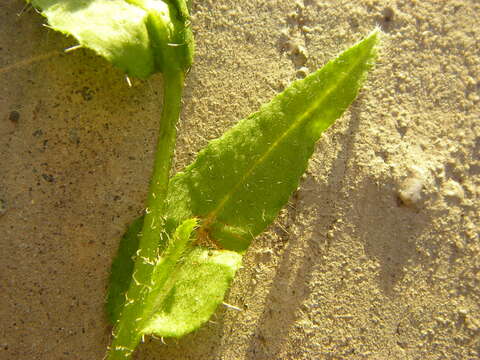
(139, 36)
(238, 184)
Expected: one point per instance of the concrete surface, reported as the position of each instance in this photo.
(377, 256)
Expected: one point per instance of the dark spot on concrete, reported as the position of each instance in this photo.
(388, 14)
(86, 93)
(386, 20)
(353, 23)
(48, 178)
(399, 201)
(3, 207)
(45, 143)
(38, 133)
(73, 136)
(249, 37)
(14, 117)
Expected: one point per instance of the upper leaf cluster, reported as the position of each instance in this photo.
(139, 36)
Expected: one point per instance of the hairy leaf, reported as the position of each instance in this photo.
(139, 36)
(198, 287)
(239, 182)
(188, 283)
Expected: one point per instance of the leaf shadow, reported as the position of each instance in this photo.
(284, 301)
(389, 231)
(387, 228)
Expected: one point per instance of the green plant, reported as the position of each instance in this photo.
(176, 262)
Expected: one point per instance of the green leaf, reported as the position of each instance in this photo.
(186, 285)
(198, 287)
(122, 269)
(239, 182)
(151, 281)
(139, 36)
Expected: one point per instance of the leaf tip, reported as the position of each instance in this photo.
(370, 46)
(375, 36)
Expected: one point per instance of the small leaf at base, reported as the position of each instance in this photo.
(200, 286)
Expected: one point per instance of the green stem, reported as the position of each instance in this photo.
(153, 221)
(128, 331)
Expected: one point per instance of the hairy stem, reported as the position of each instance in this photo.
(153, 222)
(128, 331)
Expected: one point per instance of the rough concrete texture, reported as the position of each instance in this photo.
(377, 256)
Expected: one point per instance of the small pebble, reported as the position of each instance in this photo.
(302, 72)
(307, 29)
(411, 190)
(452, 189)
(48, 177)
